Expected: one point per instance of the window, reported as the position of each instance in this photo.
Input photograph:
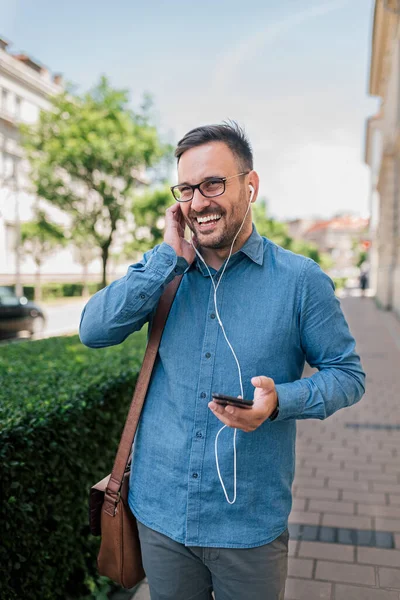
(17, 107)
(4, 99)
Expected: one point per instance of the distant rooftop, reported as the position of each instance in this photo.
(344, 223)
(29, 62)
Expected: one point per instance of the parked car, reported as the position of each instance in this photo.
(18, 314)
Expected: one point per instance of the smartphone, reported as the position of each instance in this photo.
(223, 400)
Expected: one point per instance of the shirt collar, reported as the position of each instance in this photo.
(253, 248)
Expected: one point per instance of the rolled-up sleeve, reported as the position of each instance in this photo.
(328, 346)
(125, 305)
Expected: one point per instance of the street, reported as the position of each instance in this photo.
(62, 317)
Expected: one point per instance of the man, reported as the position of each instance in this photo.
(224, 526)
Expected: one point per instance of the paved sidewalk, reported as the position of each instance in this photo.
(345, 520)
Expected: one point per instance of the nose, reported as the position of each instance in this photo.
(199, 202)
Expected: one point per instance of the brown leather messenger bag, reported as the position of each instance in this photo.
(120, 556)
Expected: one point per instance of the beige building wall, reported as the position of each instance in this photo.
(385, 168)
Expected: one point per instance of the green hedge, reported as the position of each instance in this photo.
(60, 290)
(62, 410)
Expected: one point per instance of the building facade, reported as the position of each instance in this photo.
(382, 154)
(341, 238)
(26, 88)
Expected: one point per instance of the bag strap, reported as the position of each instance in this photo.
(112, 493)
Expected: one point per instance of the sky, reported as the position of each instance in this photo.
(293, 73)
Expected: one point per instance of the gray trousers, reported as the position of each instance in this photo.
(178, 572)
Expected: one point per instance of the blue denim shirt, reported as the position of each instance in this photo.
(278, 309)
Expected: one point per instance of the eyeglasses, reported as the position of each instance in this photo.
(209, 188)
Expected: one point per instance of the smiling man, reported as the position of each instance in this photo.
(213, 509)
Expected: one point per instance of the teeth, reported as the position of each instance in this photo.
(208, 218)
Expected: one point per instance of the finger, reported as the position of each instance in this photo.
(220, 413)
(173, 211)
(180, 213)
(170, 217)
(233, 416)
(261, 381)
(175, 207)
(216, 407)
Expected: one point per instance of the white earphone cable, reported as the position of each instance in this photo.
(233, 352)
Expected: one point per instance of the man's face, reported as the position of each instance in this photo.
(214, 160)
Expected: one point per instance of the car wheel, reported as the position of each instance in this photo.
(38, 324)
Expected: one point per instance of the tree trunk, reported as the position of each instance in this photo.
(104, 252)
(85, 289)
(104, 258)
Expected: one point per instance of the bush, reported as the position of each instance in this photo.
(62, 410)
(72, 289)
(60, 290)
(94, 287)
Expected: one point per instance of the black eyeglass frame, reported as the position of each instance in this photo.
(197, 186)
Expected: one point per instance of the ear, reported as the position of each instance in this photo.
(254, 183)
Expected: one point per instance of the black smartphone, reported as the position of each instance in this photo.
(223, 400)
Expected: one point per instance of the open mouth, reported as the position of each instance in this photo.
(208, 222)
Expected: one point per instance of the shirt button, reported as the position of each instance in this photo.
(212, 315)
(208, 355)
(195, 475)
(143, 296)
(199, 434)
(203, 394)
(169, 261)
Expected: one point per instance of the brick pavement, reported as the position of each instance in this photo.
(345, 520)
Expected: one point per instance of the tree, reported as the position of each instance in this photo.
(148, 210)
(273, 230)
(88, 154)
(40, 239)
(85, 250)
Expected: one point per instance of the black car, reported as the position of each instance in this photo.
(19, 314)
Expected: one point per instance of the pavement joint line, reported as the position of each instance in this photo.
(369, 538)
(379, 426)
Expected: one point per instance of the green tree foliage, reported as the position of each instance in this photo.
(88, 154)
(148, 210)
(40, 239)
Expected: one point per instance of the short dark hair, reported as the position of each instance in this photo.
(229, 132)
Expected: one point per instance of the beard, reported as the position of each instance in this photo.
(226, 228)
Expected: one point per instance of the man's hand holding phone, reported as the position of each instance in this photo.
(248, 419)
(174, 233)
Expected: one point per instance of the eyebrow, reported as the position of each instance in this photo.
(205, 179)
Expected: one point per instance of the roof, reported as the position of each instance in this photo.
(345, 223)
(27, 60)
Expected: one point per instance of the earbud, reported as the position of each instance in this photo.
(251, 192)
